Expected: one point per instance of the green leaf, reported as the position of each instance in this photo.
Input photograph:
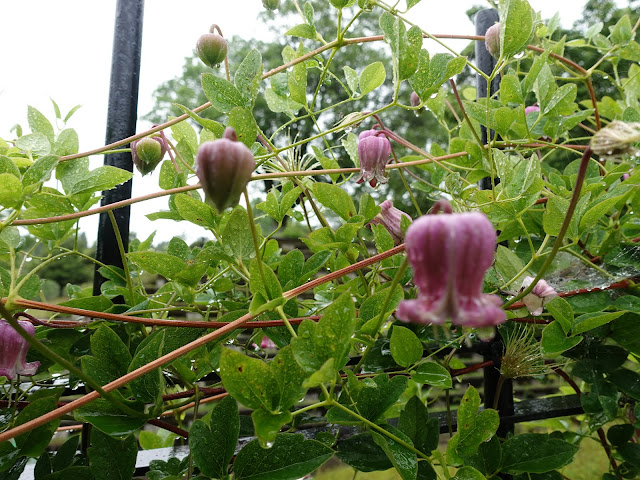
(432, 73)
(108, 418)
(405, 461)
(405, 46)
(602, 206)
(412, 3)
(621, 32)
(555, 341)
(214, 444)
(511, 90)
(554, 214)
(67, 143)
(40, 171)
(304, 30)
(148, 387)
(236, 237)
(110, 357)
(414, 421)
(39, 123)
(562, 312)
(111, 458)
(561, 100)
(158, 263)
(352, 78)
(474, 428)
(589, 321)
(406, 348)
(362, 453)
(516, 26)
(535, 453)
(468, 473)
(195, 211)
(243, 123)
(222, 94)
(34, 442)
(372, 77)
(328, 338)
(101, 178)
(335, 199)
(434, 374)
(290, 457)
(10, 190)
(36, 143)
(248, 75)
(297, 77)
(248, 380)
(626, 381)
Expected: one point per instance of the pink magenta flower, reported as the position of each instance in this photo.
(535, 300)
(224, 167)
(267, 343)
(415, 99)
(374, 149)
(531, 108)
(13, 350)
(391, 218)
(449, 254)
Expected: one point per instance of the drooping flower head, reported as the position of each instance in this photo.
(211, 48)
(148, 152)
(492, 40)
(391, 218)
(449, 254)
(374, 149)
(224, 167)
(13, 351)
(535, 300)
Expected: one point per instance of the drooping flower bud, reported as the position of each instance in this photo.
(391, 218)
(148, 152)
(271, 4)
(492, 40)
(267, 343)
(449, 254)
(616, 139)
(224, 167)
(535, 300)
(415, 99)
(13, 350)
(211, 48)
(374, 149)
(531, 108)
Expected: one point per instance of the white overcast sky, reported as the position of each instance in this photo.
(62, 50)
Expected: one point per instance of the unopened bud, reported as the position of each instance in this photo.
(148, 152)
(616, 139)
(271, 4)
(415, 99)
(212, 49)
(492, 40)
(224, 168)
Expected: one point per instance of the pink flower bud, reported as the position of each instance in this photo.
(531, 108)
(13, 350)
(374, 149)
(449, 254)
(224, 167)
(492, 40)
(211, 48)
(415, 99)
(148, 152)
(267, 343)
(541, 294)
(391, 218)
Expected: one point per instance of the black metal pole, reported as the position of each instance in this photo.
(485, 62)
(121, 123)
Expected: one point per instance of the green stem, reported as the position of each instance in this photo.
(123, 255)
(254, 236)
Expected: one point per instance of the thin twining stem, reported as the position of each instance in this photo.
(171, 356)
(188, 188)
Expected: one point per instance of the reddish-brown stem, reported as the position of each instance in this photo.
(169, 427)
(171, 356)
(464, 112)
(456, 372)
(601, 436)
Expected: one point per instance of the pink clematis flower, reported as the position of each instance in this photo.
(374, 149)
(267, 343)
(449, 254)
(531, 108)
(13, 351)
(390, 218)
(535, 300)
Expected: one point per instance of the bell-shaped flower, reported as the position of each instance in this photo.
(224, 167)
(13, 351)
(541, 294)
(492, 40)
(449, 254)
(212, 48)
(391, 218)
(374, 149)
